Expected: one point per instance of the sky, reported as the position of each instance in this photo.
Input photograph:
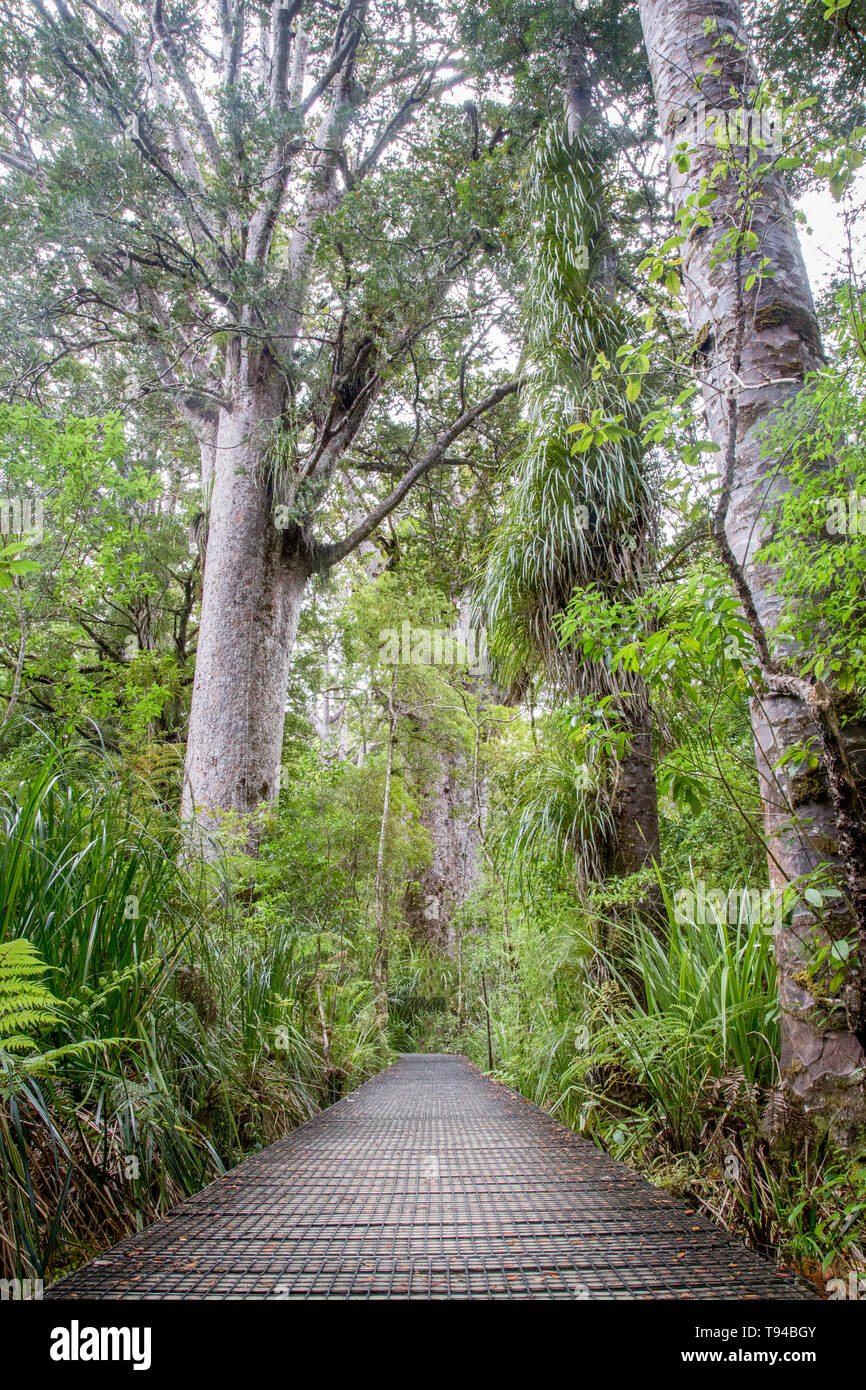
(824, 250)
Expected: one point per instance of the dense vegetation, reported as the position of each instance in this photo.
(472, 567)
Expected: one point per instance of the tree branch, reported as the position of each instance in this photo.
(328, 555)
(187, 87)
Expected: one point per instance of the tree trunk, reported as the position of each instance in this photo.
(754, 348)
(254, 583)
(636, 808)
(447, 813)
(448, 816)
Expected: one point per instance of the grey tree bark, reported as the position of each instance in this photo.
(448, 817)
(447, 811)
(754, 348)
(254, 582)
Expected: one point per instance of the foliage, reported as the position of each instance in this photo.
(819, 539)
(579, 510)
(25, 1001)
(161, 1018)
(662, 1049)
(190, 1030)
(103, 610)
(558, 797)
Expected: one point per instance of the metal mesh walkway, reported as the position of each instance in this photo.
(430, 1181)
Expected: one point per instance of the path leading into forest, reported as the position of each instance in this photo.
(430, 1181)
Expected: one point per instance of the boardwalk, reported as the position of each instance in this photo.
(430, 1181)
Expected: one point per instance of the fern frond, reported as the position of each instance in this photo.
(27, 1006)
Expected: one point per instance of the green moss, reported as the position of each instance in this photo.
(810, 785)
(703, 341)
(825, 845)
(677, 116)
(778, 314)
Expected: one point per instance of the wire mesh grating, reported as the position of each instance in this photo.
(430, 1181)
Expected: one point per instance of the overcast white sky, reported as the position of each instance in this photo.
(825, 250)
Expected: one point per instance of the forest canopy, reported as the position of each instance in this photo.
(433, 512)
